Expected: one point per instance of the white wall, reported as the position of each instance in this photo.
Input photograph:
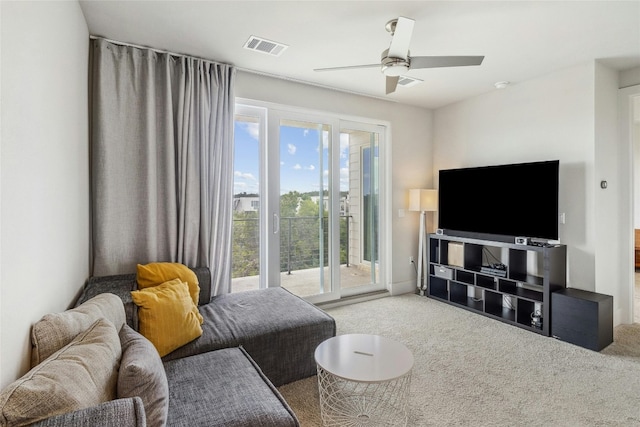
(411, 152)
(630, 77)
(547, 118)
(44, 176)
(612, 205)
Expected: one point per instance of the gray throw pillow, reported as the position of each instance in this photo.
(142, 374)
(56, 330)
(80, 375)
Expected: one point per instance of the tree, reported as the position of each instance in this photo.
(289, 204)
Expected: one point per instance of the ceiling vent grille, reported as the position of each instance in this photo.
(407, 81)
(261, 45)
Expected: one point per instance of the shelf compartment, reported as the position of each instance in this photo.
(438, 288)
(487, 282)
(472, 256)
(525, 309)
(526, 278)
(512, 288)
(434, 250)
(493, 305)
(459, 294)
(465, 276)
(517, 262)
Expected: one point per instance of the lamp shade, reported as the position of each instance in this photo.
(428, 200)
(414, 200)
(423, 200)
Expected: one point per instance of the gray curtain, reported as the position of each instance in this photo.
(162, 160)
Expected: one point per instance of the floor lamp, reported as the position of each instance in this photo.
(422, 201)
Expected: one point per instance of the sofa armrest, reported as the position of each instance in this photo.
(115, 413)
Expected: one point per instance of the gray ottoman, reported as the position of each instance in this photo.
(223, 388)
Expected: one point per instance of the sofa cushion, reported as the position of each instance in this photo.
(114, 413)
(167, 315)
(120, 285)
(223, 388)
(278, 329)
(142, 374)
(56, 330)
(156, 273)
(80, 375)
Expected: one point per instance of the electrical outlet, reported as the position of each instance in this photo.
(410, 260)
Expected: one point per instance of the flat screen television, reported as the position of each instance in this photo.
(519, 200)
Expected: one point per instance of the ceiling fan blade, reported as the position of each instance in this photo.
(348, 67)
(443, 61)
(399, 47)
(392, 83)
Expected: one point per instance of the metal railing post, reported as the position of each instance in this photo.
(348, 242)
(289, 249)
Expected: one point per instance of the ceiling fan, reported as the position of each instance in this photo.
(396, 60)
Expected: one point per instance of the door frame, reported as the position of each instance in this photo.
(628, 103)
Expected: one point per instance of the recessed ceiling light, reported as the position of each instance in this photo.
(501, 85)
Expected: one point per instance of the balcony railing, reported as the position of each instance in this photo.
(300, 246)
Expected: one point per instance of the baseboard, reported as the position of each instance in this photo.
(354, 299)
(403, 288)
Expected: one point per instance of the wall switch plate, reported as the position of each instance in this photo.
(400, 213)
(562, 218)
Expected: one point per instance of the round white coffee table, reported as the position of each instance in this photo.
(363, 380)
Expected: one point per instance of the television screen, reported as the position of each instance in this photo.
(506, 200)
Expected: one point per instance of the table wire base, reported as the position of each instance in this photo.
(357, 404)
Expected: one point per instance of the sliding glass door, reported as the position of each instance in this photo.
(307, 204)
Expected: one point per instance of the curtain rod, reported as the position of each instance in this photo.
(247, 70)
(137, 46)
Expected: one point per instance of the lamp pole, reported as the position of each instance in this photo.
(422, 255)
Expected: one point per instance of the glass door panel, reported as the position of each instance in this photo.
(305, 205)
(246, 240)
(360, 220)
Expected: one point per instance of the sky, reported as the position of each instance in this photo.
(300, 164)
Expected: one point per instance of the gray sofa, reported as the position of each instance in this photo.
(251, 343)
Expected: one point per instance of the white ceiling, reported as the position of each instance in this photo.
(519, 39)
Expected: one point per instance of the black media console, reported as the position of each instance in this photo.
(519, 290)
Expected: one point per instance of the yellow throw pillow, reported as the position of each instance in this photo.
(167, 316)
(156, 273)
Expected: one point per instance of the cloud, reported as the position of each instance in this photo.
(297, 166)
(252, 129)
(291, 149)
(344, 179)
(247, 176)
(344, 145)
(310, 168)
(305, 132)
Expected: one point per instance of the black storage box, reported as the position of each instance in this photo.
(582, 318)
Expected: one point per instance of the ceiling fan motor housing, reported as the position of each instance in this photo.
(393, 67)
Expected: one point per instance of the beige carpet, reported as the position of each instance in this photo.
(474, 371)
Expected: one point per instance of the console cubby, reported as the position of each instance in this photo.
(532, 273)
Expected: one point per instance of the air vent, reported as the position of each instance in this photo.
(408, 81)
(261, 45)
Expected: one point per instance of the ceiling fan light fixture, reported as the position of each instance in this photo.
(395, 70)
(394, 67)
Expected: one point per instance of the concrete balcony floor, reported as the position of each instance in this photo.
(306, 282)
